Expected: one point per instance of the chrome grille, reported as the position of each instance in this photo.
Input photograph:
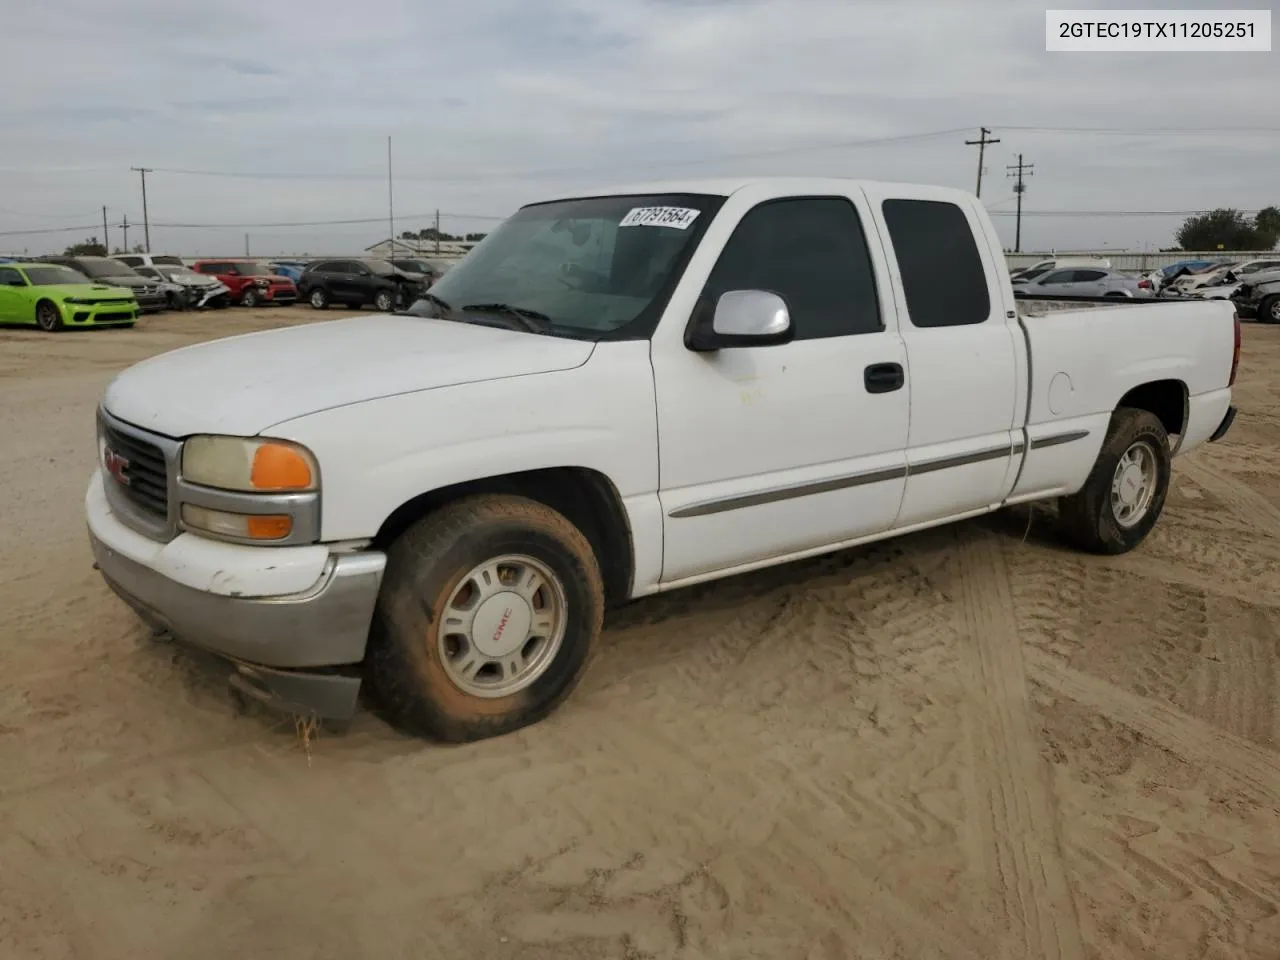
(137, 470)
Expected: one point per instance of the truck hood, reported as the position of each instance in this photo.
(242, 385)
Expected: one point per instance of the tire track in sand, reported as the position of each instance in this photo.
(1018, 843)
(1253, 768)
(1239, 497)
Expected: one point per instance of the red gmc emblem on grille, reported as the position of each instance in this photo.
(115, 465)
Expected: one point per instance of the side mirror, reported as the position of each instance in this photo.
(742, 318)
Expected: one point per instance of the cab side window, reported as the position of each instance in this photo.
(810, 251)
(942, 273)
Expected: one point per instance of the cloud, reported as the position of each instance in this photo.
(492, 104)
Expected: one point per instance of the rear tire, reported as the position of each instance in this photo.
(1125, 493)
(454, 581)
(1269, 310)
(319, 300)
(48, 316)
(249, 298)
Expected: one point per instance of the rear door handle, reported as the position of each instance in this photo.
(884, 377)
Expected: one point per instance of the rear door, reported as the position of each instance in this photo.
(14, 305)
(1091, 283)
(964, 365)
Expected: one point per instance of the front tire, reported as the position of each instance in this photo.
(319, 300)
(1126, 490)
(48, 316)
(489, 610)
(249, 298)
(383, 301)
(1269, 310)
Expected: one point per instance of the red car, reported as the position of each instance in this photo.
(251, 283)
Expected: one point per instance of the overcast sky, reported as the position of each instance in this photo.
(493, 103)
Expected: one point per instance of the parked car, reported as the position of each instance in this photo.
(136, 260)
(1087, 282)
(440, 509)
(52, 297)
(289, 268)
(251, 282)
(1040, 268)
(354, 283)
(114, 273)
(433, 270)
(1259, 296)
(192, 291)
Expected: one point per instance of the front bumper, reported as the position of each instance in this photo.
(152, 302)
(296, 651)
(99, 314)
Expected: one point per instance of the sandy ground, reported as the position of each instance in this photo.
(963, 744)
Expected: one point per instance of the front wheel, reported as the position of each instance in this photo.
(383, 301)
(1126, 490)
(249, 298)
(1269, 310)
(489, 610)
(48, 317)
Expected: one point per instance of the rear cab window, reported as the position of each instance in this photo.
(943, 276)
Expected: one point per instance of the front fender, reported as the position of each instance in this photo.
(377, 455)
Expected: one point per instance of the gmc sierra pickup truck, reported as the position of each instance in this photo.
(613, 395)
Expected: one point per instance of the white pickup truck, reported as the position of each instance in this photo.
(613, 395)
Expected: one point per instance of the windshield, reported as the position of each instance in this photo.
(173, 273)
(593, 267)
(106, 268)
(54, 276)
(251, 269)
(381, 267)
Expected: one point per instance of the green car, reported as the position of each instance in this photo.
(54, 297)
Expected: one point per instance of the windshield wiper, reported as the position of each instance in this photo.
(430, 298)
(532, 320)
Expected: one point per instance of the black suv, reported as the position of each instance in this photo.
(116, 274)
(355, 283)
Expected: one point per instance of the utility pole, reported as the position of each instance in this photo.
(125, 227)
(981, 143)
(106, 237)
(146, 221)
(1019, 189)
(391, 216)
(437, 232)
(246, 245)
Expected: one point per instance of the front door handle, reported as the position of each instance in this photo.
(884, 377)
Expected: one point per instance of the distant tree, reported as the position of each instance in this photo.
(408, 235)
(475, 237)
(87, 248)
(1231, 230)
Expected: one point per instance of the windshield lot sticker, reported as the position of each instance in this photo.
(678, 217)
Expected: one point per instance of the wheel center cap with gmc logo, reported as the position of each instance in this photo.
(501, 626)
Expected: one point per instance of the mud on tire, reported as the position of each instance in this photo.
(409, 669)
(1088, 519)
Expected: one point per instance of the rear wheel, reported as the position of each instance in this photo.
(319, 300)
(488, 613)
(48, 316)
(249, 298)
(1126, 490)
(1269, 310)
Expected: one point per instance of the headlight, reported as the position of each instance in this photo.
(249, 465)
(262, 282)
(75, 300)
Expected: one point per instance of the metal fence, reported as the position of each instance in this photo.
(1129, 260)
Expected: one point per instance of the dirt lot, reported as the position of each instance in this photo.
(963, 744)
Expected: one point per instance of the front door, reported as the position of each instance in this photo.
(772, 451)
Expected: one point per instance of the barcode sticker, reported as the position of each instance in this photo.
(678, 217)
